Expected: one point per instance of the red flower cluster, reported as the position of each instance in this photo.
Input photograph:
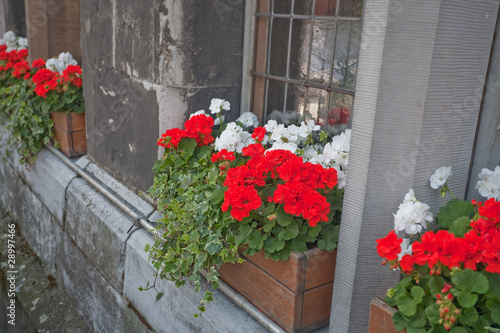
(72, 74)
(478, 249)
(198, 127)
(297, 190)
(21, 68)
(242, 200)
(223, 155)
(45, 80)
(9, 59)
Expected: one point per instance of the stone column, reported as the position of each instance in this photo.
(421, 71)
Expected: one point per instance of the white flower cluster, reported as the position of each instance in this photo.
(289, 138)
(217, 105)
(234, 138)
(13, 42)
(248, 119)
(60, 63)
(488, 185)
(412, 215)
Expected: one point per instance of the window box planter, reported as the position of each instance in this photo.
(296, 293)
(69, 131)
(381, 317)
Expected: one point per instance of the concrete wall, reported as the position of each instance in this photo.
(82, 240)
(148, 64)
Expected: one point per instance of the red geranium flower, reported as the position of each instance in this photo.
(259, 133)
(389, 247)
(171, 138)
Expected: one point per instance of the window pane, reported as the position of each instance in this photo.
(301, 35)
(325, 7)
(303, 7)
(321, 51)
(351, 8)
(346, 54)
(264, 6)
(275, 99)
(282, 6)
(279, 46)
(317, 104)
(339, 113)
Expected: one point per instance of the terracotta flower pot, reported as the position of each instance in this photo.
(69, 131)
(296, 293)
(381, 317)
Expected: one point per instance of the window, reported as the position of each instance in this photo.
(306, 54)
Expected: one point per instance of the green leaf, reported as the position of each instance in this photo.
(460, 226)
(468, 317)
(205, 150)
(269, 225)
(270, 207)
(314, 232)
(158, 165)
(432, 313)
(494, 282)
(299, 245)
(495, 315)
(399, 321)
(213, 248)
(217, 196)
(417, 293)
(466, 299)
(417, 320)
(436, 284)
(454, 210)
(159, 296)
(411, 329)
(272, 244)
(406, 305)
(470, 281)
(290, 232)
(284, 219)
(187, 144)
(458, 330)
(255, 240)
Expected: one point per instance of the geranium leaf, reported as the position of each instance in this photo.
(272, 244)
(432, 313)
(406, 305)
(436, 284)
(187, 144)
(495, 315)
(411, 329)
(453, 210)
(399, 321)
(468, 317)
(417, 293)
(460, 226)
(470, 281)
(255, 240)
(494, 282)
(289, 232)
(299, 245)
(269, 225)
(466, 299)
(217, 196)
(418, 320)
(284, 219)
(458, 330)
(314, 232)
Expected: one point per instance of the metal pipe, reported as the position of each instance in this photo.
(141, 221)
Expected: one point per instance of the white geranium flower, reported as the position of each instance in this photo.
(406, 248)
(9, 36)
(234, 138)
(440, 176)
(53, 64)
(341, 177)
(219, 119)
(279, 144)
(410, 196)
(292, 134)
(197, 113)
(67, 59)
(217, 104)
(488, 185)
(412, 217)
(278, 132)
(248, 119)
(22, 43)
(306, 129)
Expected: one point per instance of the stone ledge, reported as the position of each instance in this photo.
(98, 228)
(222, 315)
(48, 177)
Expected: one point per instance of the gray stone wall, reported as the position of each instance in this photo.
(12, 17)
(147, 66)
(96, 255)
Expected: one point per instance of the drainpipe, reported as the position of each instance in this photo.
(141, 221)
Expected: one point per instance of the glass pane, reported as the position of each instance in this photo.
(351, 8)
(301, 35)
(346, 54)
(275, 98)
(295, 104)
(339, 113)
(317, 104)
(282, 6)
(279, 46)
(303, 7)
(325, 7)
(264, 6)
(321, 51)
